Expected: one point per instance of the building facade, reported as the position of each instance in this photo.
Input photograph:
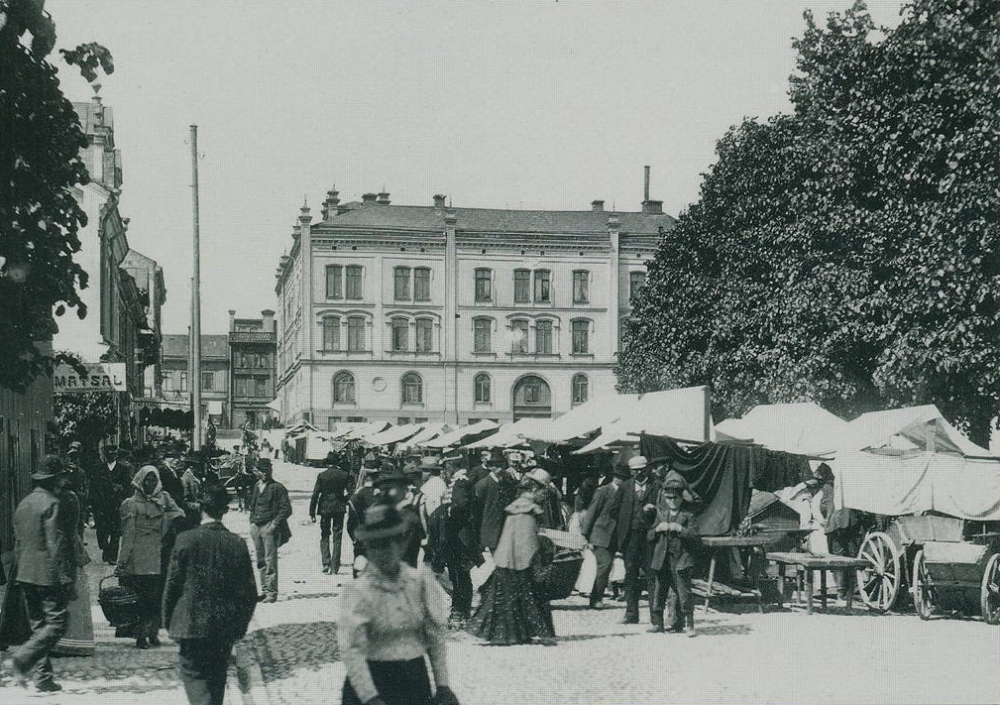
(148, 277)
(412, 313)
(176, 374)
(252, 351)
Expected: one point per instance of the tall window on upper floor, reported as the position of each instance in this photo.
(422, 284)
(484, 284)
(581, 337)
(184, 381)
(343, 387)
(208, 381)
(482, 335)
(260, 386)
(334, 281)
(519, 336)
(636, 280)
(402, 283)
(543, 286)
(481, 385)
(353, 288)
(543, 337)
(400, 334)
(413, 388)
(425, 335)
(581, 286)
(331, 333)
(522, 286)
(355, 333)
(581, 389)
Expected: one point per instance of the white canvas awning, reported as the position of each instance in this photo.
(458, 435)
(393, 435)
(803, 428)
(913, 428)
(367, 429)
(511, 434)
(428, 433)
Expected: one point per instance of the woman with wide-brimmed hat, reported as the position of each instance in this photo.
(392, 616)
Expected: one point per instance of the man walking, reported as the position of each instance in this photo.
(110, 486)
(632, 523)
(208, 599)
(46, 571)
(329, 498)
(491, 493)
(598, 527)
(269, 512)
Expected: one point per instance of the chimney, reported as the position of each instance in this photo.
(383, 198)
(368, 199)
(597, 206)
(268, 316)
(439, 200)
(650, 207)
(232, 320)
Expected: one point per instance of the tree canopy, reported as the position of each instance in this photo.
(40, 143)
(847, 253)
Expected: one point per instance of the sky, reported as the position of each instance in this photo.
(497, 104)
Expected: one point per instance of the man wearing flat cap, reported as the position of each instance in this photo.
(46, 572)
(631, 525)
(269, 512)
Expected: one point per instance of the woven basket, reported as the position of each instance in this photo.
(556, 580)
(119, 603)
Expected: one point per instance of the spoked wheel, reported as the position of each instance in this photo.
(990, 592)
(923, 589)
(879, 582)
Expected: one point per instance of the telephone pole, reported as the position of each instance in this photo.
(195, 302)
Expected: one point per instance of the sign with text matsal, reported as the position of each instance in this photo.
(100, 377)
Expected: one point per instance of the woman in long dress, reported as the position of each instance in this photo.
(79, 637)
(511, 611)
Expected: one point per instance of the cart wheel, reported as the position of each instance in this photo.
(923, 589)
(879, 583)
(990, 592)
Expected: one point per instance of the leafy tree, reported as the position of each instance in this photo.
(40, 143)
(847, 253)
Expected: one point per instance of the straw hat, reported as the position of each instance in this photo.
(637, 462)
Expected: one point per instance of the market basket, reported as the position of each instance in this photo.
(556, 579)
(119, 603)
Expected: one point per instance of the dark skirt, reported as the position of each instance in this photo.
(511, 612)
(397, 683)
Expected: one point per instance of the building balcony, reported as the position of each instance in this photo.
(251, 336)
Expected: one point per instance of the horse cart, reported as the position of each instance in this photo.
(948, 564)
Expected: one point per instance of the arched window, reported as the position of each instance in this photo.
(581, 389)
(481, 382)
(413, 388)
(343, 388)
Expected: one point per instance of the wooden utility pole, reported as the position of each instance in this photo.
(195, 302)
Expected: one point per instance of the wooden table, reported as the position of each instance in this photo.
(810, 563)
(757, 543)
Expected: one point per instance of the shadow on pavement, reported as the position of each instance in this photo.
(284, 648)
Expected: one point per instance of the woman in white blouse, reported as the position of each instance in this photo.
(392, 616)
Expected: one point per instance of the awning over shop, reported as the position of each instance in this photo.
(458, 435)
(512, 434)
(428, 433)
(916, 427)
(393, 435)
(805, 428)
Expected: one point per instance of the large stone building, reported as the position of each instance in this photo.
(411, 313)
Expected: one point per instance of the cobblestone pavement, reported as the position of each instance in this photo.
(739, 656)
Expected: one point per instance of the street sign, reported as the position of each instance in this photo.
(101, 377)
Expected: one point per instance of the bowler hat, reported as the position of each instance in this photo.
(622, 471)
(381, 521)
(214, 499)
(264, 464)
(51, 466)
(388, 477)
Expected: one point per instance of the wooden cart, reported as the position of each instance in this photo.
(948, 564)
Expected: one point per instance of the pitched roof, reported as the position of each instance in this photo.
(176, 345)
(492, 220)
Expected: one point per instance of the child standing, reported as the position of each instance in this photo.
(673, 537)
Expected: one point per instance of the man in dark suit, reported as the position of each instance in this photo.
(598, 528)
(46, 571)
(329, 499)
(109, 487)
(269, 512)
(632, 522)
(208, 599)
(491, 491)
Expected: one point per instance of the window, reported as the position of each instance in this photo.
(356, 419)
(241, 387)
(334, 282)
(519, 336)
(484, 285)
(207, 381)
(636, 280)
(343, 388)
(581, 337)
(355, 333)
(331, 333)
(413, 388)
(522, 286)
(402, 279)
(260, 387)
(184, 381)
(403, 420)
(532, 391)
(421, 284)
(353, 282)
(543, 290)
(481, 382)
(420, 419)
(400, 334)
(483, 329)
(168, 381)
(581, 389)
(425, 335)
(581, 287)
(543, 337)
